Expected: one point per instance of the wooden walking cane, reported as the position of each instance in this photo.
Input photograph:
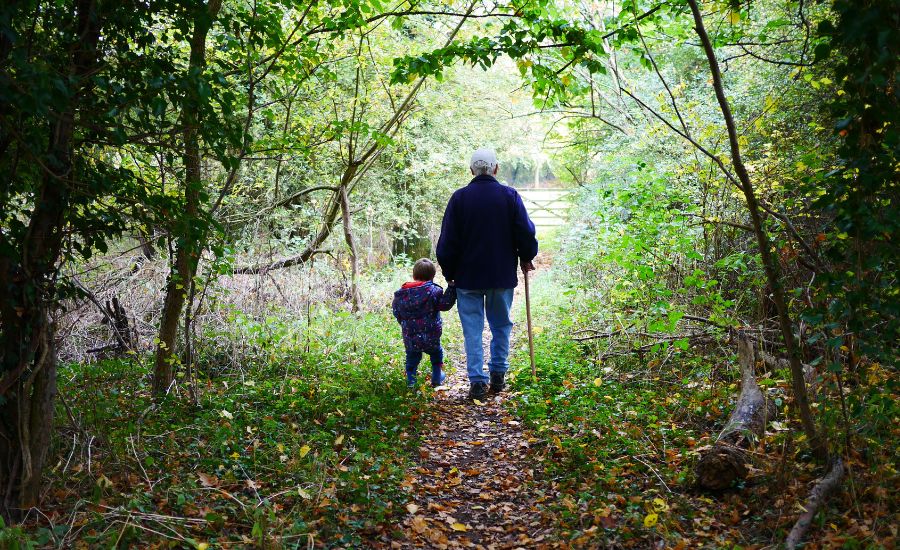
(530, 332)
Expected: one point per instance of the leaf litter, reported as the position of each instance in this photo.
(474, 485)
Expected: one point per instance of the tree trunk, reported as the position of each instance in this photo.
(193, 235)
(351, 243)
(27, 422)
(770, 263)
(176, 287)
(28, 382)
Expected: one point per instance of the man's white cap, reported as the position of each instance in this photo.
(482, 158)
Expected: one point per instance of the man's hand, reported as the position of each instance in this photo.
(527, 266)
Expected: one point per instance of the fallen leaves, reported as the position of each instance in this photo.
(418, 524)
(659, 505)
(469, 487)
(104, 482)
(208, 480)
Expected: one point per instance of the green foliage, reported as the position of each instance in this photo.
(619, 437)
(108, 103)
(860, 194)
(294, 442)
(16, 538)
(608, 431)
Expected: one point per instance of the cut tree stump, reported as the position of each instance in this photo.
(726, 460)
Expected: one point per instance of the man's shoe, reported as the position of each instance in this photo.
(478, 390)
(497, 382)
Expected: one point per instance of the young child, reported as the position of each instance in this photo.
(417, 306)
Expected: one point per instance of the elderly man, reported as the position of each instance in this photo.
(486, 232)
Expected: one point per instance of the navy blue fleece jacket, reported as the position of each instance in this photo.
(486, 232)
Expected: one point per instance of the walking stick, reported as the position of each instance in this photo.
(530, 332)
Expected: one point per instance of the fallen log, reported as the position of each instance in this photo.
(810, 376)
(726, 460)
(772, 362)
(817, 497)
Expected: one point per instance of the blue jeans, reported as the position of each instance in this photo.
(473, 306)
(413, 358)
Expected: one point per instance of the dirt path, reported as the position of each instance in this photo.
(474, 485)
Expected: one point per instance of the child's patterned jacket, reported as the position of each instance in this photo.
(417, 306)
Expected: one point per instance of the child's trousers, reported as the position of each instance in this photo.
(413, 358)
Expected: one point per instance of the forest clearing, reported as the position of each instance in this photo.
(652, 245)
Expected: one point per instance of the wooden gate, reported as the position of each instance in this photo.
(547, 207)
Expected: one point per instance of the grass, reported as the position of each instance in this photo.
(291, 446)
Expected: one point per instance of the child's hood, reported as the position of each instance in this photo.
(415, 284)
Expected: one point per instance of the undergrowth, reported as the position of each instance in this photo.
(619, 439)
(293, 433)
(304, 443)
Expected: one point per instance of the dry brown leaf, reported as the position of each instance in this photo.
(418, 524)
(207, 480)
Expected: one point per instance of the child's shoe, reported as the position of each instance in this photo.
(410, 380)
(438, 378)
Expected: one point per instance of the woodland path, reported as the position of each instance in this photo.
(474, 485)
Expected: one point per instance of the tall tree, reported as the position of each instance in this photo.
(190, 241)
(862, 41)
(28, 383)
(66, 102)
(770, 263)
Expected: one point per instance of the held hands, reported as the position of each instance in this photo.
(527, 266)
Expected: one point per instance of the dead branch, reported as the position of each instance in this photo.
(114, 315)
(817, 497)
(595, 335)
(780, 363)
